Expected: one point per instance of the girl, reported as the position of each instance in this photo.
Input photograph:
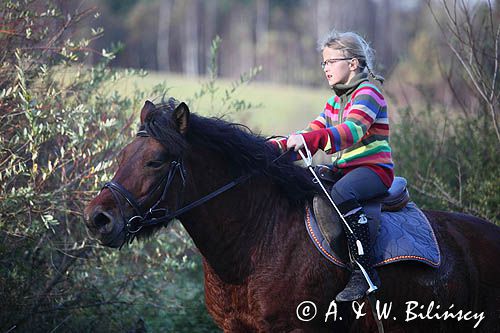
(355, 127)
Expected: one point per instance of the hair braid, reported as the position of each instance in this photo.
(370, 72)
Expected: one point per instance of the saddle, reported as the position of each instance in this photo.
(402, 231)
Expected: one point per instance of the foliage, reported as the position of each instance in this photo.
(61, 124)
(451, 163)
(449, 150)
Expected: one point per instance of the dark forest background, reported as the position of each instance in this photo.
(280, 35)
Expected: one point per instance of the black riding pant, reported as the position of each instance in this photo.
(360, 184)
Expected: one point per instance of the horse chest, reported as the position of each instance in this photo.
(229, 304)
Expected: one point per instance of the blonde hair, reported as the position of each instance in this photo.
(352, 45)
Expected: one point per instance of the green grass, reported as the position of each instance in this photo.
(284, 109)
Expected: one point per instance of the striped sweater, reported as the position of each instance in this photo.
(355, 127)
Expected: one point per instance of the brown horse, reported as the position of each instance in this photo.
(260, 265)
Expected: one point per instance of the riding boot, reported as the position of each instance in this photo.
(359, 248)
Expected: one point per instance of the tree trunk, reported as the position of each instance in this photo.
(323, 18)
(191, 38)
(246, 46)
(261, 33)
(163, 35)
(210, 28)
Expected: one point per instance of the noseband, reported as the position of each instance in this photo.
(151, 216)
(146, 217)
(162, 216)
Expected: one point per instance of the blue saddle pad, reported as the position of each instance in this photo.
(403, 235)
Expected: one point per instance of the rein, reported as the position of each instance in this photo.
(152, 216)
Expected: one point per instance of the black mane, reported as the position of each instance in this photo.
(245, 151)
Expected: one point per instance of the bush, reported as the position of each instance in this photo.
(451, 163)
(449, 147)
(61, 126)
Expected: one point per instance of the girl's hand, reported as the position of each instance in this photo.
(295, 142)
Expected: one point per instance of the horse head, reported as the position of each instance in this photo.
(149, 179)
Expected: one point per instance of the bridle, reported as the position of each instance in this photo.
(161, 216)
(154, 215)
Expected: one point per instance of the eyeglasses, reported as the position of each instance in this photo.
(332, 61)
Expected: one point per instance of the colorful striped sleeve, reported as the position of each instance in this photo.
(366, 103)
(316, 124)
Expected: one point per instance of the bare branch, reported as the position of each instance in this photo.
(474, 62)
(490, 11)
(495, 71)
(60, 271)
(472, 65)
(442, 195)
(461, 102)
(476, 85)
(69, 22)
(84, 306)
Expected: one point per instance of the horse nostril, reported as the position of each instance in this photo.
(102, 219)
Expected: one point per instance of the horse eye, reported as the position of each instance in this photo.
(155, 164)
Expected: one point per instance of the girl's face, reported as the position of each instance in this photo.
(338, 68)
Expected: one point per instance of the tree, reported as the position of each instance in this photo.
(163, 39)
(209, 28)
(472, 32)
(261, 31)
(191, 40)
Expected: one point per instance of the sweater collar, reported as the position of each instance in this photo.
(347, 88)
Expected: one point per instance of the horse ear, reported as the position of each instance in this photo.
(146, 109)
(181, 117)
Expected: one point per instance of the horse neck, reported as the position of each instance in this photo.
(234, 229)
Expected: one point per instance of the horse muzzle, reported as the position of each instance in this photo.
(105, 226)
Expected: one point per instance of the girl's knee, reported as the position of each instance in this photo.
(342, 193)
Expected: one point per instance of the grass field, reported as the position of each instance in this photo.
(283, 109)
